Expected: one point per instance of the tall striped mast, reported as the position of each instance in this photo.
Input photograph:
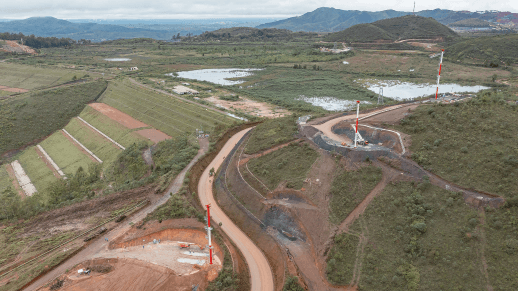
(356, 129)
(439, 76)
(208, 232)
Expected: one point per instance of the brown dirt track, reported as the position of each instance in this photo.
(118, 115)
(14, 90)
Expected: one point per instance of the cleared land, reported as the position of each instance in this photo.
(39, 173)
(163, 112)
(110, 127)
(95, 142)
(66, 155)
(32, 77)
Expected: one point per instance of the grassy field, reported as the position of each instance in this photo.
(166, 113)
(472, 144)
(41, 176)
(33, 77)
(111, 128)
(289, 164)
(99, 145)
(421, 238)
(349, 189)
(65, 154)
(32, 116)
(270, 133)
(341, 258)
(5, 181)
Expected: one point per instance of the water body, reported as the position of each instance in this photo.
(404, 90)
(117, 60)
(217, 76)
(331, 103)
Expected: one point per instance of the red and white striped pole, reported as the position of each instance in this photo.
(439, 76)
(208, 232)
(356, 131)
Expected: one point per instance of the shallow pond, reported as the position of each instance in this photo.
(217, 76)
(404, 90)
(117, 59)
(331, 103)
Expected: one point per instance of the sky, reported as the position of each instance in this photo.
(176, 9)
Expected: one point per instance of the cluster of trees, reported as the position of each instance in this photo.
(39, 42)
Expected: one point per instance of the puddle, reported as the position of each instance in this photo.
(237, 117)
(345, 62)
(330, 103)
(191, 261)
(217, 76)
(404, 90)
(117, 60)
(195, 254)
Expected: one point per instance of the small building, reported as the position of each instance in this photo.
(133, 69)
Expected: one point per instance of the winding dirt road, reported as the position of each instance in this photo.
(260, 271)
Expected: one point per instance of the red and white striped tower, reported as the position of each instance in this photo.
(356, 129)
(439, 76)
(208, 228)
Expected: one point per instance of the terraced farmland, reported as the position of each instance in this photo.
(99, 145)
(5, 181)
(111, 128)
(166, 113)
(41, 176)
(29, 77)
(66, 155)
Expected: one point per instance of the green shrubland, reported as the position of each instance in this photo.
(341, 259)
(270, 133)
(292, 284)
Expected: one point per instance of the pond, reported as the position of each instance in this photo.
(405, 90)
(217, 76)
(331, 103)
(117, 59)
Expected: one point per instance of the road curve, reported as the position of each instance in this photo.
(260, 271)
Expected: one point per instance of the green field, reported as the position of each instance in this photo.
(5, 181)
(41, 176)
(33, 77)
(99, 145)
(341, 258)
(65, 154)
(111, 128)
(32, 116)
(166, 113)
(270, 133)
(290, 164)
(421, 238)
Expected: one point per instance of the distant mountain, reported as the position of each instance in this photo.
(50, 26)
(404, 27)
(326, 19)
(471, 22)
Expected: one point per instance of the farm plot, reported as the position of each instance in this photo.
(121, 134)
(99, 145)
(5, 181)
(66, 155)
(39, 173)
(30, 77)
(163, 112)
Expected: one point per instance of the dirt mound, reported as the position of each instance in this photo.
(14, 47)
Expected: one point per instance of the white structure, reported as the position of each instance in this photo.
(133, 69)
(179, 89)
(23, 179)
(51, 161)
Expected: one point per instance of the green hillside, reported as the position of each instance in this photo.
(250, 33)
(398, 28)
(493, 50)
(360, 33)
(471, 22)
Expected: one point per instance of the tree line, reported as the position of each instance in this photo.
(38, 41)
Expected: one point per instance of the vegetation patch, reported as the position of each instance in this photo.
(270, 133)
(349, 189)
(174, 154)
(289, 164)
(129, 166)
(292, 284)
(33, 116)
(421, 237)
(341, 259)
(41, 176)
(176, 207)
(472, 144)
(5, 180)
(494, 51)
(34, 77)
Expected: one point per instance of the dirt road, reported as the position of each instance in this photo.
(260, 271)
(101, 245)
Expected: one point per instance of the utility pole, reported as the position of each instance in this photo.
(439, 75)
(208, 228)
(380, 96)
(356, 129)
(414, 8)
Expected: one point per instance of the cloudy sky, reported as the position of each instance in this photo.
(176, 9)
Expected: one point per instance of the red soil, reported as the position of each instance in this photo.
(118, 116)
(14, 90)
(153, 134)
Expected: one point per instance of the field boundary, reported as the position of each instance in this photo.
(82, 146)
(100, 132)
(51, 161)
(23, 179)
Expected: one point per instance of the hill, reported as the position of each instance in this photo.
(326, 19)
(493, 51)
(50, 26)
(404, 27)
(250, 33)
(471, 22)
